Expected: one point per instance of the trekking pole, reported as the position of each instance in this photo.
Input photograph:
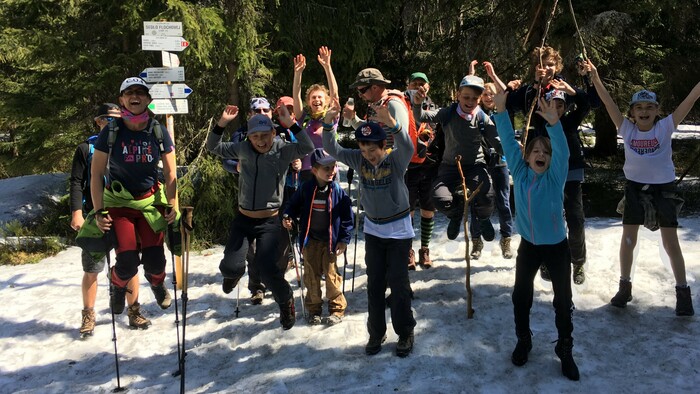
(119, 387)
(296, 268)
(238, 297)
(354, 255)
(467, 200)
(185, 229)
(349, 174)
(171, 240)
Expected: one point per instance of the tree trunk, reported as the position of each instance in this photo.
(605, 134)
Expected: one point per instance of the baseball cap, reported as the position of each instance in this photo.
(419, 75)
(259, 123)
(108, 109)
(132, 81)
(370, 132)
(259, 103)
(644, 96)
(319, 156)
(284, 101)
(472, 81)
(555, 94)
(369, 76)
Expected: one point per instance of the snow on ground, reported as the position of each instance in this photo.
(22, 196)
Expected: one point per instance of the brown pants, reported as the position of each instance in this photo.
(318, 260)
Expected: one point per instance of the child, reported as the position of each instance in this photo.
(538, 183)
(264, 161)
(650, 185)
(387, 226)
(326, 220)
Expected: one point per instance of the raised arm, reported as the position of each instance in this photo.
(324, 57)
(299, 66)
(610, 106)
(500, 86)
(680, 113)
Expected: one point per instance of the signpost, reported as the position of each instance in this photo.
(174, 91)
(163, 43)
(163, 74)
(171, 29)
(168, 106)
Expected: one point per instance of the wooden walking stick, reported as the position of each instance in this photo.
(467, 200)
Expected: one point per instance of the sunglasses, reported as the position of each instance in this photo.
(261, 110)
(363, 90)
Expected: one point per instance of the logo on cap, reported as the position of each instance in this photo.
(366, 131)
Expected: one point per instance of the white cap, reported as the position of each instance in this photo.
(644, 96)
(129, 82)
(472, 81)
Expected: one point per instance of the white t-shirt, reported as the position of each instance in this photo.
(648, 153)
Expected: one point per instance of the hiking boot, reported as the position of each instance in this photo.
(411, 260)
(477, 247)
(568, 365)
(228, 285)
(578, 274)
(487, 231)
(522, 348)
(453, 227)
(287, 315)
(314, 320)
(332, 320)
(374, 345)
(136, 319)
(624, 294)
(424, 257)
(544, 273)
(257, 298)
(505, 248)
(405, 345)
(162, 296)
(684, 302)
(117, 299)
(88, 326)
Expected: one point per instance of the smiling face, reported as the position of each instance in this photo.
(373, 152)
(468, 98)
(487, 97)
(317, 99)
(135, 99)
(644, 115)
(538, 154)
(324, 173)
(262, 140)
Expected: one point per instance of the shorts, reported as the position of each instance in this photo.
(662, 198)
(91, 264)
(419, 182)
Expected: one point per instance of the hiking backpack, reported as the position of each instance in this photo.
(420, 147)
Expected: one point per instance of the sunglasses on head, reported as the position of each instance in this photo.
(261, 110)
(363, 90)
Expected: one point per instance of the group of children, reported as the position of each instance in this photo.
(477, 129)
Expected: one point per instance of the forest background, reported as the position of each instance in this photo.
(59, 59)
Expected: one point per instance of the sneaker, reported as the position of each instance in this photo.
(117, 299)
(88, 325)
(487, 231)
(477, 247)
(522, 348)
(505, 248)
(684, 302)
(544, 273)
(624, 294)
(411, 260)
(453, 227)
(162, 296)
(579, 274)
(257, 298)
(228, 285)
(136, 319)
(568, 365)
(374, 345)
(314, 320)
(332, 320)
(424, 257)
(405, 345)
(287, 315)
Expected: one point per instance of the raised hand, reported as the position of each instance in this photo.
(382, 115)
(284, 117)
(333, 111)
(299, 63)
(500, 100)
(472, 67)
(515, 84)
(592, 69)
(563, 86)
(229, 114)
(421, 94)
(324, 56)
(548, 111)
(489, 69)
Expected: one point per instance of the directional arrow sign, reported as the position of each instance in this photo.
(171, 29)
(163, 43)
(169, 59)
(175, 91)
(167, 106)
(163, 74)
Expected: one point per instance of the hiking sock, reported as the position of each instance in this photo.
(426, 230)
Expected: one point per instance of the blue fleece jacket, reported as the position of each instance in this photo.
(539, 198)
(339, 207)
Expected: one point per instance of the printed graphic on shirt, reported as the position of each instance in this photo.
(137, 151)
(644, 147)
(379, 178)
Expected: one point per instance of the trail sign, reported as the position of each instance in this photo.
(171, 29)
(163, 74)
(163, 43)
(169, 59)
(167, 106)
(174, 91)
